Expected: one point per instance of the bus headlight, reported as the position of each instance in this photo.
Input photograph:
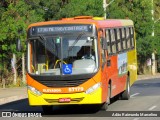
(93, 88)
(34, 90)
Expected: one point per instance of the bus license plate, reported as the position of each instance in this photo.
(64, 100)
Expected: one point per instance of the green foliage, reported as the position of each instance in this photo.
(157, 9)
(81, 8)
(157, 26)
(16, 15)
(56, 9)
(140, 12)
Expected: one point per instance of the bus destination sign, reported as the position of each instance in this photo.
(54, 29)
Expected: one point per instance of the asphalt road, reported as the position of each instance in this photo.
(145, 96)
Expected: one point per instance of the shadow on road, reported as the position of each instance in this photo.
(150, 87)
(147, 83)
(22, 106)
(144, 85)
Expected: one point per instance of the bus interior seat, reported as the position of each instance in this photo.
(84, 63)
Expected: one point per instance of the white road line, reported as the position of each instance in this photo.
(134, 95)
(151, 108)
(136, 119)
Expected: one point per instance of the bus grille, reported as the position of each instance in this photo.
(62, 83)
(73, 100)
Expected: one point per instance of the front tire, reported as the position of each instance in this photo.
(105, 105)
(126, 93)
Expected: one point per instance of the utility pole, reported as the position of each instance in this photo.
(14, 69)
(23, 69)
(156, 20)
(153, 54)
(105, 5)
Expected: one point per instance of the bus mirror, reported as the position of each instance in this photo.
(18, 45)
(90, 39)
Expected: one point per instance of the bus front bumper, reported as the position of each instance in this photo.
(64, 99)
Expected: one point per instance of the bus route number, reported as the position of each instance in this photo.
(75, 89)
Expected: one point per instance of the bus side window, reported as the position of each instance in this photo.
(115, 34)
(103, 55)
(119, 40)
(108, 39)
(128, 38)
(132, 36)
(123, 38)
(113, 41)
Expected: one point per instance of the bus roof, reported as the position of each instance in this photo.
(99, 22)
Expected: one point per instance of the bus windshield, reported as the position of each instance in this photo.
(63, 54)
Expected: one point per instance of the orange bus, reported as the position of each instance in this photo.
(80, 60)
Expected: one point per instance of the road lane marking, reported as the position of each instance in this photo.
(134, 95)
(151, 108)
(136, 119)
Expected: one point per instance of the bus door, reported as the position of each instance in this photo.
(111, 60)
(104, 68)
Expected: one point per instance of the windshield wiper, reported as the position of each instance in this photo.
(75, 42)
(47, 45)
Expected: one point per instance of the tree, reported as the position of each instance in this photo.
(157, 25)
(15, 16)
(140, 12)
(81, 8)
(50, 9)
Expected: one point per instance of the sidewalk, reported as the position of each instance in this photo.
(13, 94)
(144, 77)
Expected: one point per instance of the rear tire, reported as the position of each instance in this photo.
(105, 105)
(47, 109)
(126, 93)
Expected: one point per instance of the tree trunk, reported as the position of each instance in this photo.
(14, 66)
(23, 69)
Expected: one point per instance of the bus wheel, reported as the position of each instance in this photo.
(126, 93)
(47, 109)
(105, 105)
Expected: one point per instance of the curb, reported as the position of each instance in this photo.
(12, 99)
(146, 78)
(20, 97)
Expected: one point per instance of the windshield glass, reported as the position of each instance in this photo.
(63, 55)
